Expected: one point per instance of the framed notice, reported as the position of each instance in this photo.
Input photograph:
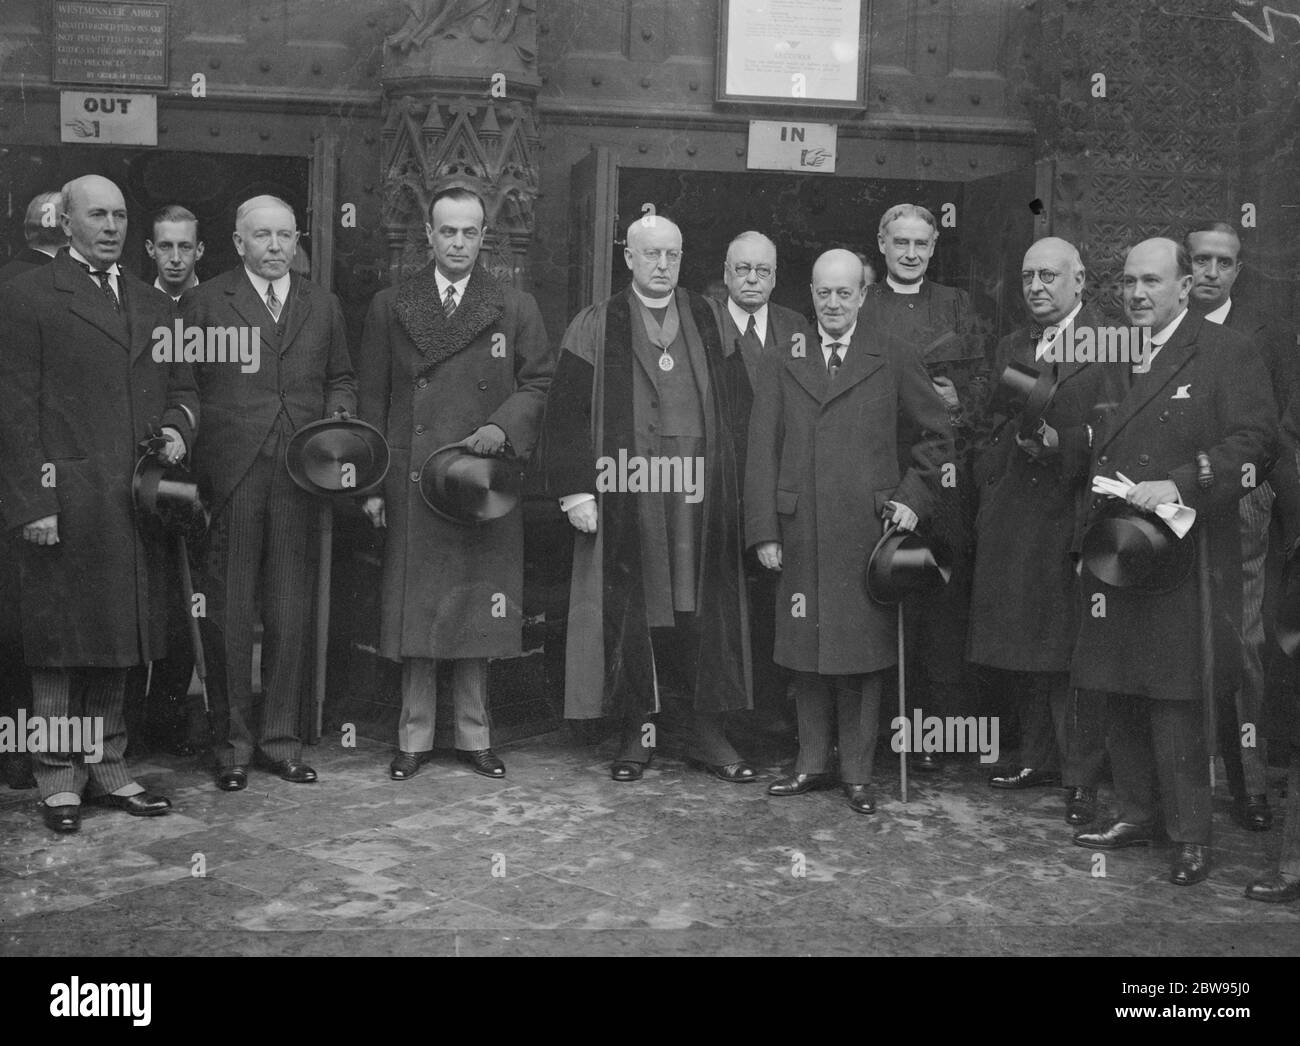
(793, 52)
(109, 43)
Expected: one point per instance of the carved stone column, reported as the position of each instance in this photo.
(460, 87)
(1141, 107)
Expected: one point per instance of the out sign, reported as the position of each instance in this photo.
(101, 118)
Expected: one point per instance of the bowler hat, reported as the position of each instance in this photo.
(169, 494)
(337, 456)
(468, 488)
(903, 562)
(1127, 548)
(1027, 391)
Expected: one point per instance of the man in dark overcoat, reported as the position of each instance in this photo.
(822, 469)
(261, 546)
(640, 452)
(80, 388)
(450, 355)
(752, 326)
(939, 324)
(1024, 599)
(1203, 391)
(44, 235)
(1215, 249)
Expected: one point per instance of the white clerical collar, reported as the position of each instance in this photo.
(904, 288)
(843, 339)
(260, 283)
(1056, 330)
(1158, 340)
(77, 256)
(1220, 315)
(158, 283)
(444, 283)
(653, 303)
(742, 319)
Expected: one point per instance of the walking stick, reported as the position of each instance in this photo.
(902, 702)
(1205, 478)
(196, 640)
(322, 615)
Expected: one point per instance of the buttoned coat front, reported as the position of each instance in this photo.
(451, 590)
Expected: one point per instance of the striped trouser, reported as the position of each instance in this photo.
(1243, 751)
(86, 694)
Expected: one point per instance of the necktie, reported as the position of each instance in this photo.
(272, 302)
(833, 363)
(449, 302)
(105, 285)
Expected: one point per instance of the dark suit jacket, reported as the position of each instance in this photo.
(79, 390)
(304, 367)
(26, 259)
(823, 460)
(1207, 391)
(1276, 346)
(738, 376)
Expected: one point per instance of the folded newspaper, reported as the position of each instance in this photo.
(1177, 517)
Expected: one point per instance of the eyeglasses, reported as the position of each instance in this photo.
(1046, 275)
(672, 256)
(763, 272)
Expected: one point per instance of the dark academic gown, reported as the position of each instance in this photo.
(606, 398)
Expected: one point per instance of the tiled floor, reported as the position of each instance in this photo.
(559, 859)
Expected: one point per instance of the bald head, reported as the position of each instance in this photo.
(94, 219)
(750, 271)
(1051, 278)
(1156, 283)
(654, 255)
(43, 223)
(837, 290)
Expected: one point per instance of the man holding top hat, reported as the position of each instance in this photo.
(1024, 604)
(451, 356)
(79, 391)
(260, 550)
(1194, 425)
(822, 471)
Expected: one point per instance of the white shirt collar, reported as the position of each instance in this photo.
(1158, 340)
(1220, 315)
(1057, 330)
(905, 288)
(158, 283)
(260, 283)
(50, 251)
(444, 283)
(654, 303)
(114, 270)
(843, 339)
(742, 319)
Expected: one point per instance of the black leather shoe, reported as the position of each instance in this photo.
(232, 778)
(1277, 889)
(61, 818)
(293, 771)
(406, 765)
(484, 761)
(926, 762)
(1191, 864)
(797, 784)
(737, 773)
(1253, 813)
(1117, 836)
(142, 804)
(1025, 777)
(625, 771)
(860, 800)
(1081, 806)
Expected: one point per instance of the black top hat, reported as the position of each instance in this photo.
(1130, 549)
(903, 562)
(1027, 391)
(169, 494)
(467, 488)
(337, 456)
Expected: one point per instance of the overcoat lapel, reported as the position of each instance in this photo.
(87, 301)
(252, 309)
(862, 361)
(1177, 353)
(299, 306)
